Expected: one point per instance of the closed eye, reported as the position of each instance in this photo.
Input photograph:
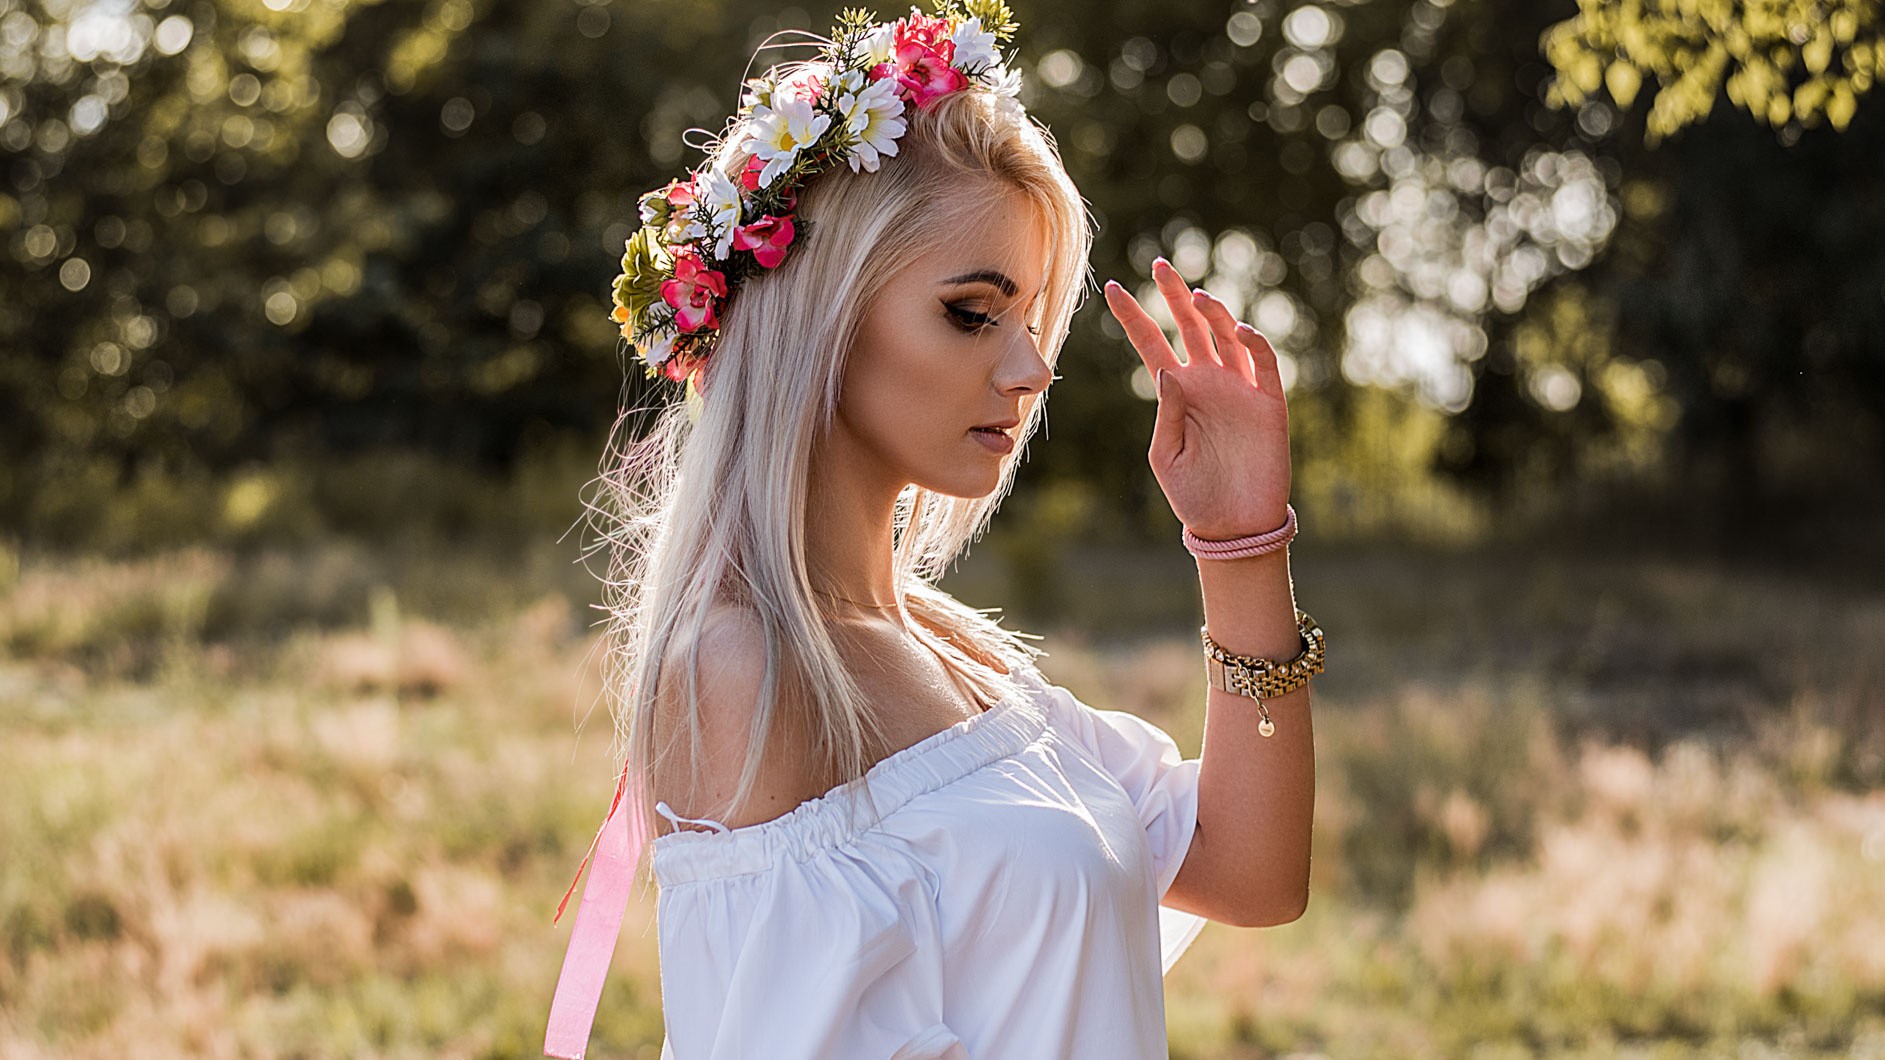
(971, 321)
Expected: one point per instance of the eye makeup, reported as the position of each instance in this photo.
(968, 319)
(973, 321)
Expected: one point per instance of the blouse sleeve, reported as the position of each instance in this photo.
(1163, 787)
(814, 958)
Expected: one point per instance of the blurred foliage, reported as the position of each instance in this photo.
(1779, 60)
(275, 234)
(322, 802)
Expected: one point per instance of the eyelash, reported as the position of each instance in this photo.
(971, 321)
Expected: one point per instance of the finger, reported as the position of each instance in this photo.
(1263, 357)
(1144, 333)
(1191, 325)
(1224, 331)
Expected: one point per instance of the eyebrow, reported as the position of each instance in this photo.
(999, 280)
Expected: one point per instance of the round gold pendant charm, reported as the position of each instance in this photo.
(1266, 726)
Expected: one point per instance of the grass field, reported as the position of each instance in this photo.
(322, 803)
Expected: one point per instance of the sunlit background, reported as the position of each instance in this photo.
(306, 366)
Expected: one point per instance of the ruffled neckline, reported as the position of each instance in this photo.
(841, 813)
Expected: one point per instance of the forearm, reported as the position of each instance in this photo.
(1256, 794)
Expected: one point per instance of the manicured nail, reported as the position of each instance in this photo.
(1160, 260)
(1245, 329)
(1110, 284)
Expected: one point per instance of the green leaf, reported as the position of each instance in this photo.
(995, 15)
(644, 265)
(1818, 52)
(1622, 79)
(1840, 108)
(1810, 97)
(1586, 73)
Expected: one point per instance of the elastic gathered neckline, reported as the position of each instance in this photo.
(842, 813)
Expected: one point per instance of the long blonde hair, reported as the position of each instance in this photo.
(695, 515)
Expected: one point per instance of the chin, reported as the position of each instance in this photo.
(965, 483)
(965, 492)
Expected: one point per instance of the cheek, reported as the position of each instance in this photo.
(908, 379)
(876, 390)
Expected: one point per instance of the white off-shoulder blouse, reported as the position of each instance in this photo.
(1001, 902)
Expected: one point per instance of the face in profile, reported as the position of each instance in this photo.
(950, 345)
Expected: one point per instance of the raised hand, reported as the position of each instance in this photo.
(1220, 446)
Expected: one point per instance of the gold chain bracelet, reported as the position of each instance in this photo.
(1260, 679)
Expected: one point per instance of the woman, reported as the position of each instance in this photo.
(879, 830)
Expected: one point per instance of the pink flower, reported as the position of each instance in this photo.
(930, 31)
(680, 194)
(679, 367)
(806, 83)
(767, 238)
(923, 73)
(749, 177)
(694, 291)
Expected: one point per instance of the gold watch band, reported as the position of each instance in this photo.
(1260, 679)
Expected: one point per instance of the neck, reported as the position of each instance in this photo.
(849, 528)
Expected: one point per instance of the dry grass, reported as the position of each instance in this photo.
(345, 838)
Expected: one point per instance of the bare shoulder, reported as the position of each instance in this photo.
(731, 671)
(974, 652)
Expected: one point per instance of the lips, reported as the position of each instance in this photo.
(996, 440)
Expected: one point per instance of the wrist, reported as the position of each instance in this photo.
(1249, 604)
(1252, 527)
(1274, 558)
(1262, 543)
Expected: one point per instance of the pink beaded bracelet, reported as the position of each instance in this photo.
(1241, 547)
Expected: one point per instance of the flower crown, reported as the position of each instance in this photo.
(700, 237)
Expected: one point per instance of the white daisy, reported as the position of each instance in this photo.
(974, 48)
(780, 134)
(1003, 81)
(847, 83)
(758, 93)
(878, 44)
(683, 227)
(874, 118)
(657, 348)
(721, 197)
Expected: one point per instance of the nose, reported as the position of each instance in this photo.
(1023, 368)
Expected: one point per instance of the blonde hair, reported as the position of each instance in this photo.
(697, 515)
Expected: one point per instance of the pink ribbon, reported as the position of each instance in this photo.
(617, 850)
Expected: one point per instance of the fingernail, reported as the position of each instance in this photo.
(1245, 328)
(1110, 284)
(1160, 260)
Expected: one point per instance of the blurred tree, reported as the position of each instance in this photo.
(243, 230)
(1781, 60)
(1634, 289)
(237, 231)
(1750, 273)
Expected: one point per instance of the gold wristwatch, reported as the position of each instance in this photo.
(1260, 679)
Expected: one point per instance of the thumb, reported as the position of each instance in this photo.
(1168, 433)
